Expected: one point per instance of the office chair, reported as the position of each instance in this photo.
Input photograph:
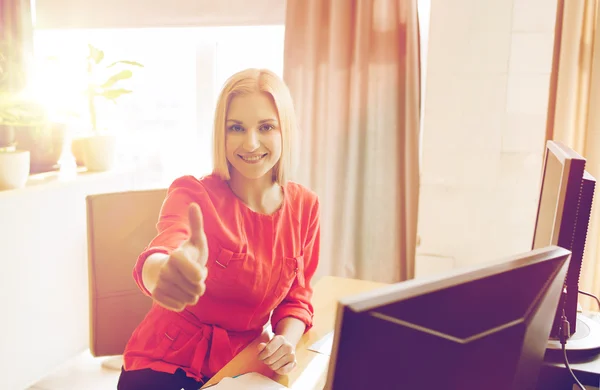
(119, 226)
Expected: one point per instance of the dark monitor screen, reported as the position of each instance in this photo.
(483, 328)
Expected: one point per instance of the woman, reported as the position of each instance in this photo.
(232, 248)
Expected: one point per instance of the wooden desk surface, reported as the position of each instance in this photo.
(312, 366)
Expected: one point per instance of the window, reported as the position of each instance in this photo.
(165, 125)
(424, 16)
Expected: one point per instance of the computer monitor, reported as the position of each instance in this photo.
(483, 328)
(563, 214)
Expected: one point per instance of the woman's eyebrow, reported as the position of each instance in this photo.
(260, 121)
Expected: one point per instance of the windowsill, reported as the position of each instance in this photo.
(46, 180)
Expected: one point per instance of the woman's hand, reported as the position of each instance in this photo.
(279, 354)
(181, 278)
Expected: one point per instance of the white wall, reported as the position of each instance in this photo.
(488, 75)
(43, 278)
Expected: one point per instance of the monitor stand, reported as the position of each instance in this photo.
(584, 342)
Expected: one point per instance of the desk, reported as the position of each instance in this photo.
(311, 371)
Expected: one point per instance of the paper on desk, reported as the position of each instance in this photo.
(324, 345)
(249, 381)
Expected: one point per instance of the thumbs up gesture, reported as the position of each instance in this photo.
(181, 279)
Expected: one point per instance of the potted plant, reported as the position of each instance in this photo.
(15, 163)
(15, 112)
(25, 121)
(98, 150)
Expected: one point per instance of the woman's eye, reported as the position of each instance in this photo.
(267, 127)
(236, 128)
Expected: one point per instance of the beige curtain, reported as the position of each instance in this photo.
(16, 42)
(354, 73)
(574, 114)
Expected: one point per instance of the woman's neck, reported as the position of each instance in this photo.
(262, 195)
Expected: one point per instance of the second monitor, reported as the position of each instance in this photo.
(563, 215)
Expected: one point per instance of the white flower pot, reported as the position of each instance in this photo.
(14, 169)
(100, 152)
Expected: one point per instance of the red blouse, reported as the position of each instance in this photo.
(259, 266)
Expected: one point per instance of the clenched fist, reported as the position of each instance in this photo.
(181, 278)
(279, 354)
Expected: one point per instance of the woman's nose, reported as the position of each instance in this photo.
(251, 141)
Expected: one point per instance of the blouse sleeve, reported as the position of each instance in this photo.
(173, 226)
(297, 303)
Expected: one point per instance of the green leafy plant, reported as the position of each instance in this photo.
(107, 89)
(16, 110)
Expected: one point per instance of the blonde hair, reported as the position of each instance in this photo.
(251, 81)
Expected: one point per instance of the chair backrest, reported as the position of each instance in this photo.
(119, 226)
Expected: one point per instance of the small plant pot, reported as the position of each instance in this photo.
(45, 144)
(14, 169)
(99, 152)
(77, 145)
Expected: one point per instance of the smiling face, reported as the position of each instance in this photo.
(253, 140)
(247, 98)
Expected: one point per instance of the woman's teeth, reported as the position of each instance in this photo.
(253, 158)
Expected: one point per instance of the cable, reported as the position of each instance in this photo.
(569, 368)
(564, 335)
(591, 295)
